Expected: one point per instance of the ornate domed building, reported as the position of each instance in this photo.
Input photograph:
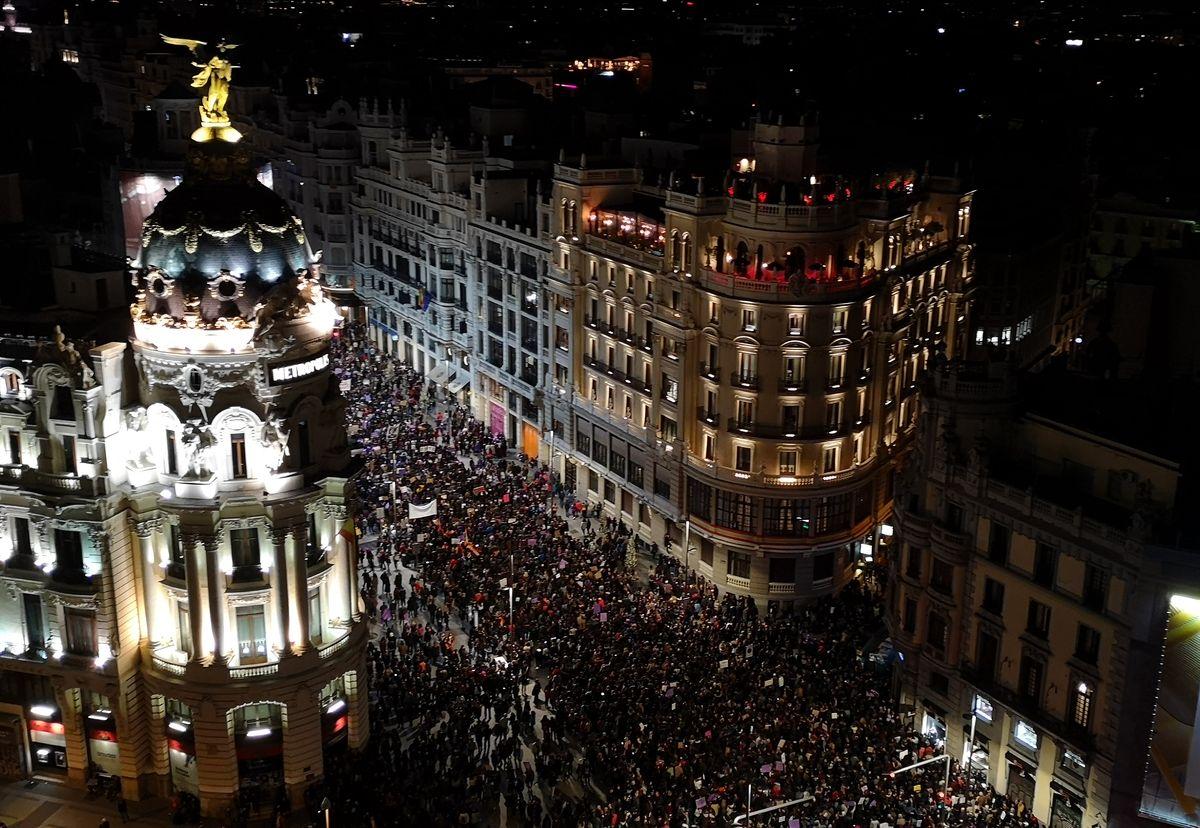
(183, 551)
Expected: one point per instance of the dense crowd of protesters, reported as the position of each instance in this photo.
(608, 696)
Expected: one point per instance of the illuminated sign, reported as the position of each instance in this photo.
(1172, 780)
(293, 371)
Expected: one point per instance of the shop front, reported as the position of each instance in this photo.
(529, 440)
(47, 739)
(104, 752)
(496, 418)
(334, 726)
(1066, 807)
(12, 748)
(258, 739)
(181, 756)
(1022, 780)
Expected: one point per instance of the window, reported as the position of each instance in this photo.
(670, 388)
(184, 621)
(1072, 763)
(941, 577)
(738, 564)
(667, 428)
(983, 709)
(749, 319)
(910, 615)
(172, 460)
(22, 544)
(840, 318)
(14, 447)
(315, 622)
(913, 570)
(782, 570)
(829, 459)
(1038, 621)
(583, 443)
(610, 491)
(993, 597)
(304, 443)
(636, 474)
(593, 481)
(617, 463)
(1030, 687)
(1045, 563)
(791, 419)
(81, 631)
(1025, 735)
(1081, 705)
(237, 456)
(1095, 588)
(1087, 644)
(795, 324)
(662, 488)
(745, 412)
(744, 457)
(787, 462)
(735, 511)
(600, 453)
(35, 627)
(68, 551)
(62, 406)
(998, 542)
(833, 415)
(987, 655)
(937, 635)
(710, 447)
(822, 567)
(837, 369)
(69, 463)
(252, 634)
(243, 544)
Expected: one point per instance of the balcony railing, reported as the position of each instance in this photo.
(708, 370)
(743, 380)
(706, 416)
(793, 386)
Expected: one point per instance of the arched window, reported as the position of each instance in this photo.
(565, 218)
(795, 260)
(572, 218)
(719, 245)
(685, 247)
(676, 254)
(741, 262)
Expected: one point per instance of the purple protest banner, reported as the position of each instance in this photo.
(766, 769)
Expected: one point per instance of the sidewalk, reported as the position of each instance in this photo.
(61, 806)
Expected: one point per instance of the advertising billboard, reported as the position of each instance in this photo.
(1171, 792)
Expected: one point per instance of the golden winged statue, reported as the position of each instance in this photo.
(215, 73)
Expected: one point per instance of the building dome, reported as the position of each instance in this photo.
(219, 244)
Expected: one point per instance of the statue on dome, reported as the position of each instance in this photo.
(215, 73)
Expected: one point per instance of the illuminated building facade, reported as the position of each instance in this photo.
(1019, 603)
(745, 357)
(176, 518)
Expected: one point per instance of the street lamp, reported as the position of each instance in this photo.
(325, 806)
(940, 757)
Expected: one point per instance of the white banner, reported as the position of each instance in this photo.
(426, 510)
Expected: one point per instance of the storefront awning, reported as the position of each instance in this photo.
(436, 375)
(458, 383)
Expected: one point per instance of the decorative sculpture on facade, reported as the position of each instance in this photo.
(198, 444)
(274, 438)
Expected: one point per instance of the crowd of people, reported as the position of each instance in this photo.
(520, 666)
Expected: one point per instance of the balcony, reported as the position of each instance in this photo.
(835, 383)
(710, 371)
(1028, 709)
(707, 416)
(742, 380)
(793, 385)
(52, 482)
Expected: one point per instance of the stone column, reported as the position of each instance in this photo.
(216, 595)
(279, 590)
(191, 545)
(357, 707)
(69, 706)
(158, 738)
(216, 759)
(298, 572)
(303, 761)
(148, 571)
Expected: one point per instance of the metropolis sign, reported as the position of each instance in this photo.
(293, 371)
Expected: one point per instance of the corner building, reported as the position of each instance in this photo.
(177, 527)
(746, 355)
